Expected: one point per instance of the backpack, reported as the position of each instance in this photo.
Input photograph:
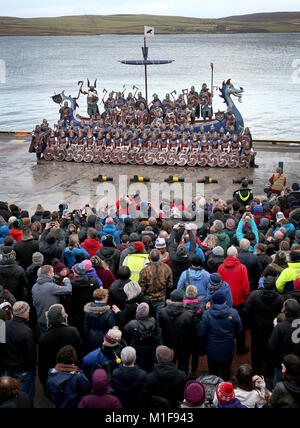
(146, 334)
(6, 306)
(210, 383)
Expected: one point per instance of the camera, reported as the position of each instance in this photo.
(52, 224)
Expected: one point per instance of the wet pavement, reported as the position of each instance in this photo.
(27, 183)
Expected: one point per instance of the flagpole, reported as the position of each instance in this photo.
(146, 76)
(212, 78)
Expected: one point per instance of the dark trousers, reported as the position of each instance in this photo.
(183, 362)
(241, 339)
(221, 369)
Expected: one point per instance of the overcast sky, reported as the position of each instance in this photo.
(192, 8)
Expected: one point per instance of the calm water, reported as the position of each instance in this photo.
(36, 67)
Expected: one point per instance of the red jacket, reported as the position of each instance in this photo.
(91, 246)
(16, 234)
(235, 274)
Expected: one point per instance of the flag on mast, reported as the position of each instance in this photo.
(149, 31)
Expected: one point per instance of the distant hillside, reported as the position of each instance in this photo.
(134, 24)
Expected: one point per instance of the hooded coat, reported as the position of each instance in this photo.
(4, 233)
(25, 250)
(69, 256)
(165, 381)
(13, 278)
(127, 383)
(83, 288)
(91, 246)
(236, 275)
(98, 319)
(99, 397)
(111, 256)
(57, 336)
(254, 267)
(116, 295)
(51, 250)
(286, 395)
(218, 327)
(198, 277)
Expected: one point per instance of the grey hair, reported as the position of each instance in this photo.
(128, 356)
(232, 252)
(39, 271)
(245, 244)
(132, 289)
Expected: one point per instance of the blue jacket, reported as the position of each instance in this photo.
(198, 251)
(4, 233)
(111, 229)
(92, 274)
(219, 326)
(240, 235)
(69, 256)
(66, 389)
(226, 288)
(200, 279)
(289, 227)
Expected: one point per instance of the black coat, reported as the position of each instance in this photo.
(129, 312)
(213, 263)
(116, 295)
(14, 279)
(25, 250)
(98, 319)
(265, 260)
(127, 383)
(260, 310)
(254, 268)
(4, 211)
(179, 330)
(31, 273)
(179, 263)
(83, 288)
(165, 381)
(51, 251)
(19, 351)
(51, 342)
(21, 401)
(9, 298)
(111, 256)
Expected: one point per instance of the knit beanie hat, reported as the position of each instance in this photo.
(8, 256)
(295, 187)
(139, 246)
(113, 337)
(58, 266)
(96, 262)
(56, 315)
(191, 292)
(79, 269)
(218, 251)
(225, 392)
(176, 296)
(279, 216)
(194, 393)
(215, 279)
(87, 264)
(20, 308)
(109, 220)
(258, 209)
(142, 310)
(230, 224)
(181, 250)
(11, 220)
(219, 297)
(297, 284)
(160, 243)
(108, 241)
(264, 222)
(164, 354)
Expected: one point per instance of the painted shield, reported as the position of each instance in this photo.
(106, 157)
(193, 159)
(181, 118)
(131, 158)
(171, 159)
(244, 139)
(97, 156)
(114, 157)
(59, 155)
(139, 157)
(193, 101)
(69, 155)
(149, 158)
(204, 99)
(220, 116)
(48, 154)
(182, 159)
(212, 160)
(88, 156)
(202, 159)
(123, 157)
(223, 160)
(161, 158)
(245, 161)
(233, 161)
(78, 156)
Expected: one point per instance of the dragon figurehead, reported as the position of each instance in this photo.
(227, 91)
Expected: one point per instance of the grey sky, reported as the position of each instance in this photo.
(192, 8)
